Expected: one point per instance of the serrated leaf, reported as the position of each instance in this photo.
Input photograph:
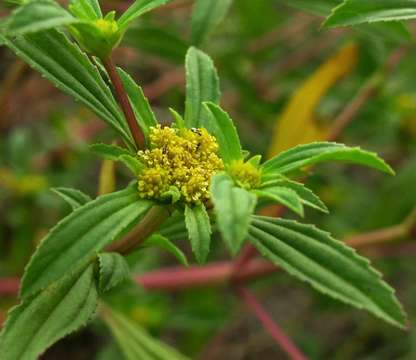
(206, 15)
(138, 8)
(307, 196)
(219, 124)
(68, 68)
(233, 207)
(174, 228)
(132, 163)
(109, 152)
(113, 270)
(36, 16)
(202, 84)
(141, 107)
(75, 198)
(284, 196)
(75, 240)
(86, 9)
(199, 230)
(40, 321)
(134, 341)
(304, 155)
(353, 12)
(178, 120)
(116, 153)
(165, 244)
(396, 31)
(330, 266)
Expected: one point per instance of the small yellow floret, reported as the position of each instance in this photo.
(107, 27)
(246, 174)
(183, 158)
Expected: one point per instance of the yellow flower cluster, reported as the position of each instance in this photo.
(181, 158)
(245, 174)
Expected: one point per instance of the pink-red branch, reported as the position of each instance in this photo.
(269, 324)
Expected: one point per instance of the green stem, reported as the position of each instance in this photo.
(155, 217)
(124, 102)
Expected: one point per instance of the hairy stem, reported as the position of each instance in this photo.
(124, 102)
(269, 324)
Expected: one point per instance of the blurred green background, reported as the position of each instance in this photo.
(267, 53)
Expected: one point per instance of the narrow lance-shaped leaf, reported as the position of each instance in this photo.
(67, 67)
(306, 195)
(138, 8)
(164, 243)
(233, 207)
(75, 198)
(134, 341)
(141, 107)
(40, 321)
(199, 230)
(219, 123)
(202, 84)
(310, 154)
(353, 12)
(36, 16)
(113, 269)
(206, 15)
(86, 9)
(109, 152)
(331, 267)
(282, 195)
(76, 239)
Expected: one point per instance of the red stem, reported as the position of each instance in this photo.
(9, 286)
(178, 277)
(269, 325)
(124, 102)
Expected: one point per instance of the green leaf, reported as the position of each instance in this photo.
(165, 244)
(134, 341)
(330, 266)
(219, 124)
(36, 16)
(206, 15)
(85, 9)
(395, 31)
(67, 67)
(233, 207)
(202, 84)
(141, 107)
(199, 230)
(40, 321)
(138, 8)
(75, 198)
(308, 197)
(132, 163)
(178, 120)
(113, 270)
(353, 12)
(156, 41)
(75, 240)
(283, 195)
(304, 155)
(174, 228)
(109, 152)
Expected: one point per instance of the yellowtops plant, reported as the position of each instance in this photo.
(182, 160)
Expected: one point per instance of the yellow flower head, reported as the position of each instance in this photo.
(181, 158)
(245, 174)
